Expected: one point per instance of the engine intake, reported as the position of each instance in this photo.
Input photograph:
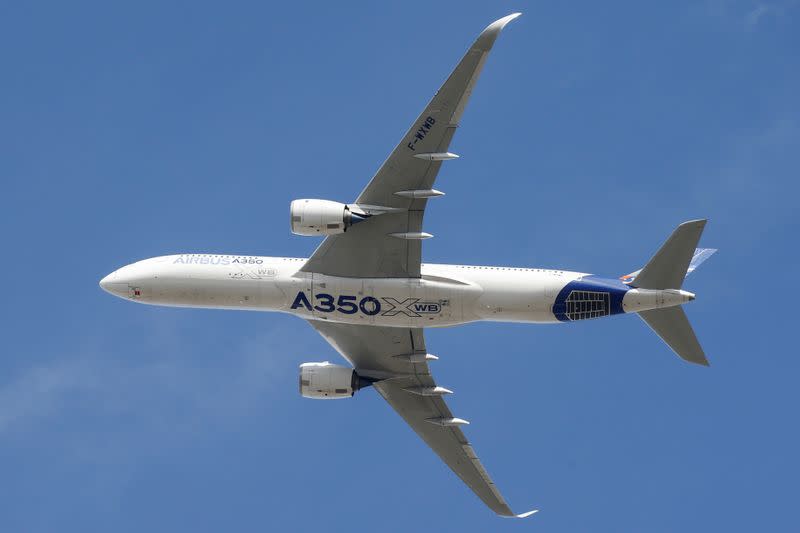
(326, 381)
(322, 217)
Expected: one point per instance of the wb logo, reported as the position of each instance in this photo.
(426, 307)
(410, 307)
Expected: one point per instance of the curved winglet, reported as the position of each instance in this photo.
(523, 515)
(487, 37)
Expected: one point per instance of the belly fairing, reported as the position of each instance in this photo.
(425, 302)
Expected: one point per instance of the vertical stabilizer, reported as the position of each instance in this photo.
(673, 327)
(668, 267)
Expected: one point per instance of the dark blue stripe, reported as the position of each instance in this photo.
(614, 287)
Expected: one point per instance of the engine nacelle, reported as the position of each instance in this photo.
(326, 381)
(322, 217)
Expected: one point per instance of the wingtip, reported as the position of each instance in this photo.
(487, 37)
(697, 221)
(501, 23)
(522, 515)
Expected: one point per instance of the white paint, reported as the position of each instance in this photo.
(462, 293)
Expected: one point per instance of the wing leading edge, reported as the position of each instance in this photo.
(397, 357)
(389, 245)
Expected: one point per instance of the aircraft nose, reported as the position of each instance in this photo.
(105, 283)
(112, 285)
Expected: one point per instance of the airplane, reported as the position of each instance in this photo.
(367, 292)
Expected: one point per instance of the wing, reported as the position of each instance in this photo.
(398, 359)
(389, 245)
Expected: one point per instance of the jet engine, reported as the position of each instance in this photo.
(326, 381)
(323, 217)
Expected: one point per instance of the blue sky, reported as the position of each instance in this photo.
(134, 130)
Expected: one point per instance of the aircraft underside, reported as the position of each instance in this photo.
(367, 292)
(445, 295)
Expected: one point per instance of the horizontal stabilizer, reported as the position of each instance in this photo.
(673, 327)
(700, 255)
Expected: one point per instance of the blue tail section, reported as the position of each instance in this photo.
(589, 297)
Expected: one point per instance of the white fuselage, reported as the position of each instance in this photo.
(445, 295)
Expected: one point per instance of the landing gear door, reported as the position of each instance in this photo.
(344, 300)
(298, 294)
(368, 305)
(435, 303)
(324, 292)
